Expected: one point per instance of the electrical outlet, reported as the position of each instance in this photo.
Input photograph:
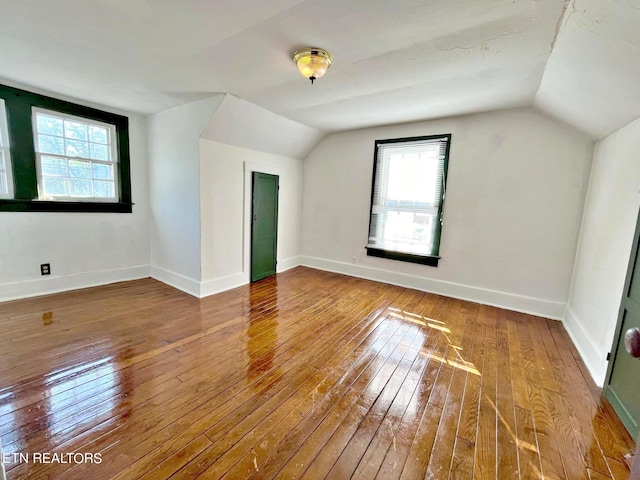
(353, 259)
(45, 269)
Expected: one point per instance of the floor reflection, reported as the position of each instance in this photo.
(68, 401)
(453, 353)
(77, 401)
(262, 332)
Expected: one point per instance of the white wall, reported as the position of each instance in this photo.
(606, 238)
(174, 175)
(84, 249)
(225, 174)
(515, 193)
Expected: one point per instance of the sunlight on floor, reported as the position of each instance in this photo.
(458, 362)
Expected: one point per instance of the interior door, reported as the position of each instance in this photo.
(635, 468)
(622, 387)
(264, 225)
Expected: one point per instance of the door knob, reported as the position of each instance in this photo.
(632, 342)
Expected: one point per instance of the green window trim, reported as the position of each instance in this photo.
(19, 105)
(430, 260)
(433, 258)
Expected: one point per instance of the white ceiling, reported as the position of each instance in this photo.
(592, 80)
(396, 61)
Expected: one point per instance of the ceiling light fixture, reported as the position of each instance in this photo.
(312, 62)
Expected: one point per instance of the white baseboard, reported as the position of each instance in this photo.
(216, 285)
(53, 284)
(509, 301)
(211, 287)
(288, 264)
(594, 358)
(176, 280)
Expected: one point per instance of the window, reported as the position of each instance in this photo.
(75, 157)
(63, 156)
(409, 179)
(6, 179)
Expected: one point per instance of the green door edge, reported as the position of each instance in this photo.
(627, 419)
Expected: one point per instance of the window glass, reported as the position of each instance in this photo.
(59, 156)
(6, 179)
(408, 191)
(76, 158)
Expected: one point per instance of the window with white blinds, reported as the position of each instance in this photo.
(408, 193)
(6, 180)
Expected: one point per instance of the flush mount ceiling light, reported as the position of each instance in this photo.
(312, 62)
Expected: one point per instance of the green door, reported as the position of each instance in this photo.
(264, 225)
(622, 387)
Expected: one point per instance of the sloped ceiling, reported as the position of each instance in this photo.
(592, 80)
(269, 132)
(396, 61)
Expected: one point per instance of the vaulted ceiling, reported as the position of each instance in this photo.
(396, 61)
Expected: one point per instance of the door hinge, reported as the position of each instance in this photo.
(608, 356)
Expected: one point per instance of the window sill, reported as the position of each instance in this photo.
(430, 260)
(49, 206)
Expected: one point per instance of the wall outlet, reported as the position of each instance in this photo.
(353, 259)
(45, 269)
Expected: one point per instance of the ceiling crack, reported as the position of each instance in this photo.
(482, 44)
(562, 21)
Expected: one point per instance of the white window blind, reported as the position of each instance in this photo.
(6, 179)
(76, 158)
(408, 190)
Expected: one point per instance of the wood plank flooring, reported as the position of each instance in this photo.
(306, 375)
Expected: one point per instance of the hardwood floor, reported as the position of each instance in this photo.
(305, 375)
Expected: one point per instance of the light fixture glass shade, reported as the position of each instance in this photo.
(312, 62)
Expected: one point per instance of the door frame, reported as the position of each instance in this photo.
(249, 168)
(618, 331)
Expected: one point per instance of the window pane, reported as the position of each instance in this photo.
(77, 148)
(54, 167)
(49, 144)
(6, 179)
(55, 186)
(49, 125)
(70, 155)
(407, 195)
(79, 169)
(99, 152)
(104, 189)
(412, 178)
(80, 188)
(75, 130)
(98, 135)
(102, 171)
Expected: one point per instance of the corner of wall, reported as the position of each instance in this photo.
(176, 280)
(588, 350)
